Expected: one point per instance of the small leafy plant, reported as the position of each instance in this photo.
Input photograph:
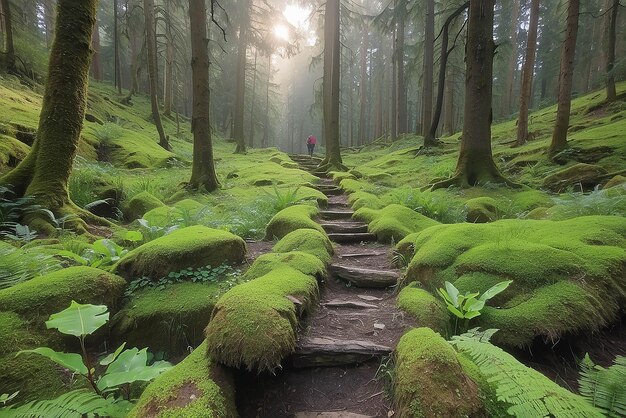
(469, 305)
(102, 253)
(604, 388)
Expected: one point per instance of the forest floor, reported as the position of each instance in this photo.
(342, 361)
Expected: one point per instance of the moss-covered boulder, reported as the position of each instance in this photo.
(614, 182)
(291, 219)
(138, 205)
(567, 275)
(195, 246)
(393, 222)
(583, 175)
(427, 310)
(12, 152)
(307, 241)
(165, 215)
(196, 387)
(430, 380)
(482, 210)
(169, 319)
(44, 295)
(303, 262)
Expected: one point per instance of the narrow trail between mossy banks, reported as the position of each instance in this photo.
(339, 368)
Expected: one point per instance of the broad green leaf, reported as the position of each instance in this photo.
(111, 357)
(71, 361)
(473, 305)
(453, 292)
(445, 295)
(6, 398)
(130, 366)
(455, 311)
(68, 254)
(133, 236)
(79, 320)
(472, 314)
(494, 290)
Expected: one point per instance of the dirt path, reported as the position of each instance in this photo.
(339, 368)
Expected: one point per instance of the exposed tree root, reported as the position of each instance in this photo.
(463, 181)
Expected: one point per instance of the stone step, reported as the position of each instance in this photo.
(352, 238)
(337, 414)
(349, 304)
(329, 352)
(345, 228)
(336, 214)
(364, 254)
(332, 192)
(362, 277)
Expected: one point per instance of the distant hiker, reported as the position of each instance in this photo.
(311, 141)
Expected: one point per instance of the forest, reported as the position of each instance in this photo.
(312, 209)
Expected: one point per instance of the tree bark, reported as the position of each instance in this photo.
(203, 169)
(240, 90)
(148, 10)
(9, 48)
(332, 66)
(116, 42)
(45, 172)
(611, 91)
(266, 123)
(429, 57)
(475, 164)
(528, 70)
(363, 88)
(566, 73)
(512, 65)
(96, 65)
(430, 138)
(402, 115)
(49, 18)
(393, 117)
(169, 64)
(252, 107)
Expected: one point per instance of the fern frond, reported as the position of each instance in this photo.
(74, 404)
(605, 388)
(528, 392)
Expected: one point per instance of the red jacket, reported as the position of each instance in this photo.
(311, 140)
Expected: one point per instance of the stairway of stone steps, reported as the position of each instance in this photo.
(335, 369)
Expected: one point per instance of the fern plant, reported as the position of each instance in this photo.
(604, 388)
(528, 392)
(17, 265)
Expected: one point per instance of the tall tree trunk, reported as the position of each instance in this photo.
(49, 18)
(611, 92)
(45, 172)
(363, 88)
(252, 107)
(240, 90)
(512, 63)
(528, 69)
(203, 170)
(566, 73)
(169, 63)
(96, 65)
(116, 42)
(9, 48)
(428, 76)
(148, 10)
(401, 95)
(431, 135)
(266, 123)
(332, 68)
(393, 119)
(475, 164)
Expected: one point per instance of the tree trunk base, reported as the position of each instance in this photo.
(468, 176)
(241, 149)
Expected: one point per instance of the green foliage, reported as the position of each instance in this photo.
(79, 320)
(283, 199)
(434, 205)
(102, 253)
(17, 265)
(393, 222)
(108, 132)
(528, 392)
(599, 202)
(15, 209)
(604, 388)
(469, 305)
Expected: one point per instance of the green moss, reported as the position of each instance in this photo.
(53, 292)
(430, 381)
(338, 176)
(12, 152)
(586, 174)
(254, 325)
(291, 219)
(614, 182)
(305, 263)
(167, 320)
(307, 241)
(560, 271)
(138, 205)
(393, 222)
(362, 199)
(428, 310)
(195, 246)
(195, 388)
(482, 210)
(165, 216)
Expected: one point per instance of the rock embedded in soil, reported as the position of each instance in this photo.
(362, 277)
(328, 352)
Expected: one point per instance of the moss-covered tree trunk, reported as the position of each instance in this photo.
(566, 77)
(203, 171)
(611, 91)
(428, 74)
(9, 48)
(332, 67)
(402, 125)
(169, 63)
(528, 70)
(240, 89)
(148, 11)
(45, 171)
(475, 164)
(512, 59)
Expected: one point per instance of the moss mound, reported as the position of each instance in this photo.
(291, 219)
(138, 205)
(430, 380)
(585, 175)
(44, 295)
(393, 222)
(195, 246)
(307, 241)
(194, 388)
(303, 262)
(12, 152)
(614, 182)
(167, 320)
(428, 310)
(482, 210)
(165, 215)
(567, 275)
